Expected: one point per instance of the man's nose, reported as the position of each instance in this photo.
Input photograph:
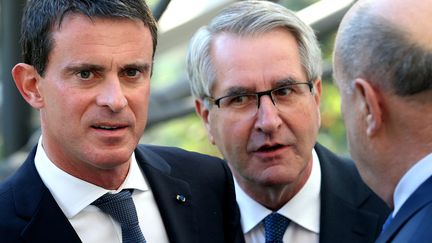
(268, 116)
(112, 95)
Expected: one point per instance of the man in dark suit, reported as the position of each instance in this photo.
(255, 72)
(383, 68)
(87, 68)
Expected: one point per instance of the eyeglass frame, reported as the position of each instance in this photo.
(216, 101)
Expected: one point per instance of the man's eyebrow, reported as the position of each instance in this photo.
(142, 67)
(237, 90)
(240, 90)
(83, 66)
(288, 81)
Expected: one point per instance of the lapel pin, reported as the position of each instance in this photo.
(181, 198)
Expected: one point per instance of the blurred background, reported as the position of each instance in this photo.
(172, 120)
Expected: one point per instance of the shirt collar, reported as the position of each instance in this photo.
(73, 194)
(303, 209)
(412, 179)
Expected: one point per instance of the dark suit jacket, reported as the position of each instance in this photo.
(350, 211)
(29, 213)
(413, 222)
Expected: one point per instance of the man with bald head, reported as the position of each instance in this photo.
(383, 68)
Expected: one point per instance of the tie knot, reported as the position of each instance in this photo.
(275, 226)
(120, 206)
(109, 197)
(122, 209)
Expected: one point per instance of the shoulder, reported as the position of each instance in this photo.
(6, 195)
(335, 168)
(415, 214)
(341, 178)
(175, 152)
(21, 191)
(418, 228)
(183, 161)
(10, 223)
(330, 159)
(7, 187)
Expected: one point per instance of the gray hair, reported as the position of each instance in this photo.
(372, 48)
(248, 18)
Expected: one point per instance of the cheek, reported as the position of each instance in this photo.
(73, 103)
(228, 135)
(139, 105)
(217, 129)
(307, 117)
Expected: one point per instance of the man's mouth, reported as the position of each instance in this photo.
(270, 148)
(109, 128)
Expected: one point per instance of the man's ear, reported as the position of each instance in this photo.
(316, 90)
(371, 105)
(27, 79)
(317, 86)
(203, 112)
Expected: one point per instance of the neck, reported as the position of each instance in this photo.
(405, 139)
(274, 197)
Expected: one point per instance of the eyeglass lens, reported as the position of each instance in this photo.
(247, 105)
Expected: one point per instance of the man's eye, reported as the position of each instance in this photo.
(284, 91)
(132, 72)
(85, 75)
(239, 100)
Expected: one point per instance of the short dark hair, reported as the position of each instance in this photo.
(372, 48)
(41, 16)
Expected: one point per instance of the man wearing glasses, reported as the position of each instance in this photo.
(255, 73)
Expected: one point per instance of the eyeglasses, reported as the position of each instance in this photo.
(247, 104)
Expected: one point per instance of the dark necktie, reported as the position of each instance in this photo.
(121, 208)
(275, 226)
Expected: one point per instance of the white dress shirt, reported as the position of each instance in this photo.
(303, 210)
(74, 197)
(412, 179)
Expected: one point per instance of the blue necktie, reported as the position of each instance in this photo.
(121, 208)
(275, 226)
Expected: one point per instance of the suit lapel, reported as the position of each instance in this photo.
(34, 203)
(342, 219)
(49, 224)
(415, 203)
(172, 195)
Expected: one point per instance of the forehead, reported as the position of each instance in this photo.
(81, 38)
(258, 61)
(83, 28)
